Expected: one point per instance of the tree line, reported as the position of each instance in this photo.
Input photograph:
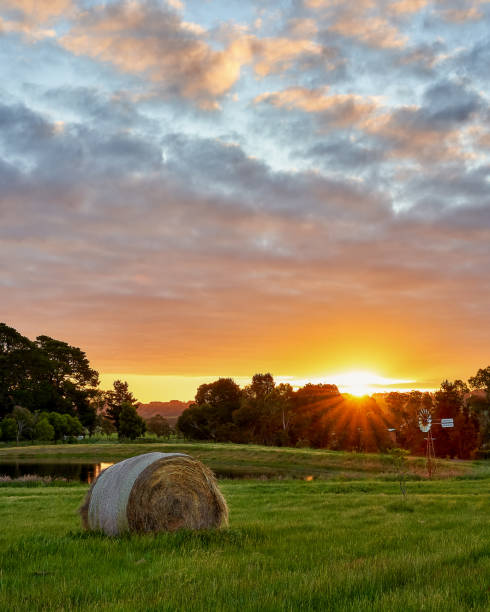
(319, 416)
(48, 391)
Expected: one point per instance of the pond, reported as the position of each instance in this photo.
(82, 472)
(88, 471)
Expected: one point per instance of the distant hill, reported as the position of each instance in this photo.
(169, 410)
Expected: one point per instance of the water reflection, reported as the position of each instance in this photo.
(82, 472)
(98, 468)
(88, 472)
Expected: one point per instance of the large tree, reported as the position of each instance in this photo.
(17, 371)
(210, 417)
(481, 380)
(222, 395)
(47, 375)
(131, 425)
(313, 405)
(479, 403)
(451, 402)
(24, 420)
(72, 379)
(265, 411)
(115, 399)
(159, 426)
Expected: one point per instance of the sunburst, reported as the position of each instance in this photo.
(362, 382)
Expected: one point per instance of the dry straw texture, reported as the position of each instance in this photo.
(154, 492)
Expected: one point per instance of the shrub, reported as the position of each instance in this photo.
(8, 429)
(43, 430)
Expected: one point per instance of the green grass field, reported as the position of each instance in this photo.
(291, 545)
(250, 460)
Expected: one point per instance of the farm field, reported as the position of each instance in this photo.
(292, 545)
(238, 460)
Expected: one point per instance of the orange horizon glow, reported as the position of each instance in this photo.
(165, 350)
(147, 388)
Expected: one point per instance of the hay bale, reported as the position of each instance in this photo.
(154, 492)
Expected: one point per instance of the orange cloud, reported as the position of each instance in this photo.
(372, 31)
(407, 6)
(343, 109)
(142, 40)
(365, 20)
(174, 54)
(411, 139)
(460, 11)
(31, 15)
(30, 31)
(325, 4)
(302, 28)
(277, 54)
(459, 15)
(40, 11)
(479, 138)
(176, 4)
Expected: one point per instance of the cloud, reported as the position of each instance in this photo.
(25, 28)
(150, 41)
(460, 11)
(424, 57)
(305, 28)
(277, 54)
(403, 7)
(447, 103)
(178, 5)
(39, 11)
(406, 133)
(366, 22)
(455, 192)
(30, 17)
(336, 109)
(431, 131)
(459, 15)
(374, 32)
(341, 153)
(352, 216)
(92, 106)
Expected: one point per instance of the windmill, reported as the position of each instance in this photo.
(425, 425)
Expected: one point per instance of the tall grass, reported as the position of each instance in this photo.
(291, 545)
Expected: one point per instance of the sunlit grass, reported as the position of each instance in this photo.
(291, 545)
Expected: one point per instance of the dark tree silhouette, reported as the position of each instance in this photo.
(115, 399)
(131, 425)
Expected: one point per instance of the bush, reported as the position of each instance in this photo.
(131, 425)
(43, 430)
(8, 429)
(159, 426)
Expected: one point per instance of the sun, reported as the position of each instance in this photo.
(354, 382)
(360, 382)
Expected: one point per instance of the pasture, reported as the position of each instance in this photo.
(327, 544)
(250, 460)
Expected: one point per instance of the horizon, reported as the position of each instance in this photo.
(237, 187)
(144, 389)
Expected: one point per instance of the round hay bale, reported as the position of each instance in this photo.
(154, 492)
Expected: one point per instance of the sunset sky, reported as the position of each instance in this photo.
(194, 189)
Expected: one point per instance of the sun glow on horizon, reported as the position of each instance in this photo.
(148, 388)
(362, 382)
(354, 382)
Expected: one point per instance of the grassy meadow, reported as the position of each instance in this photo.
(346, 540)
(249, 461)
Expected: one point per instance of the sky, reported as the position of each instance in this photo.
(204, 188)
